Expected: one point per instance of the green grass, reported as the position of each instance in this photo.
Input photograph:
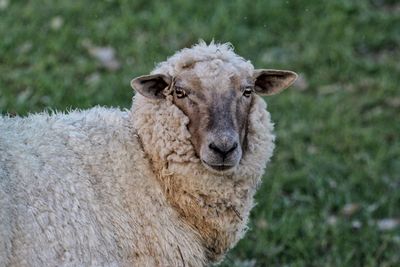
(338, 139)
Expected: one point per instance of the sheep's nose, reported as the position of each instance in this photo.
(223, 150)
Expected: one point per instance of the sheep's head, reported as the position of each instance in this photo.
(216, 95)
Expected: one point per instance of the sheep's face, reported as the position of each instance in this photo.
(217, 98)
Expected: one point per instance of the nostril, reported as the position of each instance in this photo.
(214, 147)
(235, 145)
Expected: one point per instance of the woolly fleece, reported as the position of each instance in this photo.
(105, 187)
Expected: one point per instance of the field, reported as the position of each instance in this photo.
(331, 196)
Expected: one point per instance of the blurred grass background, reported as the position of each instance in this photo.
(331, 196)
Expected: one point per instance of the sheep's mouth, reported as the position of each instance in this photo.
(218, 167)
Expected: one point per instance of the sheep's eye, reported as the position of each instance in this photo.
(179, 92)
(247, 92)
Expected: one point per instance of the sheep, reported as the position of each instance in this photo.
(169, 182)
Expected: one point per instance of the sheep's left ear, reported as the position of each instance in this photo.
(151, 86)
(269, 82)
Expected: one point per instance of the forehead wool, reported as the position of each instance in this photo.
(216, 57)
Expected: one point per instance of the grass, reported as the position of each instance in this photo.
(338, 133)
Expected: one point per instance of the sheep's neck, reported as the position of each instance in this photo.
(218, 214)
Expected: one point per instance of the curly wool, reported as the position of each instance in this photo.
(201, 52)
(76, 189)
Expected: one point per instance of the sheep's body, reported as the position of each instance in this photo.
(106, 187)
(77, 190)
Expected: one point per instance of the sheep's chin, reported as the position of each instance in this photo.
(219, 169)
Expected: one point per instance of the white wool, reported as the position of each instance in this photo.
(105, 187)
(201, 52)
(76, 189)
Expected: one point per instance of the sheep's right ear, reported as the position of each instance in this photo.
(151, 86)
